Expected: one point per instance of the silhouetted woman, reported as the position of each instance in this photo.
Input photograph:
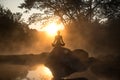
(58, 40)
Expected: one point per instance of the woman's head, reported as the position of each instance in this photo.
(58, 32)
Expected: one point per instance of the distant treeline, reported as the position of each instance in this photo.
(15, 35)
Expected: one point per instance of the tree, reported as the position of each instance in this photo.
(76, 10)
(14, 34)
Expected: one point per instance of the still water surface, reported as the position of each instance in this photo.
(24, 72)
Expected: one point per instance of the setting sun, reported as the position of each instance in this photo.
(53, 27)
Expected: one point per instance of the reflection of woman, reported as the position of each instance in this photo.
(58, 40)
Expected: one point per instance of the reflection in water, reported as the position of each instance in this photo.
(24, 72)
(40, 73)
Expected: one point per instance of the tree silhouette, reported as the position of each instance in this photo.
(76, 10)
(13, 32)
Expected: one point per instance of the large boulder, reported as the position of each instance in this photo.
(62, 62)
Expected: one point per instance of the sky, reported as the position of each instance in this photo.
(13, 6)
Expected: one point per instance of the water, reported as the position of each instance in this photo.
(9, 71)
(24, 72)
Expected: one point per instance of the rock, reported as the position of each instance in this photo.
(81, 54)
(62, 62)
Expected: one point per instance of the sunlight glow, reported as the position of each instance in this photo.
(40, 73)
(44, 71)
(53, 27)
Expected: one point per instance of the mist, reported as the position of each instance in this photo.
(97, 39)
(101, 41)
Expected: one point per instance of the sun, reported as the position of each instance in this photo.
(53, 27)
